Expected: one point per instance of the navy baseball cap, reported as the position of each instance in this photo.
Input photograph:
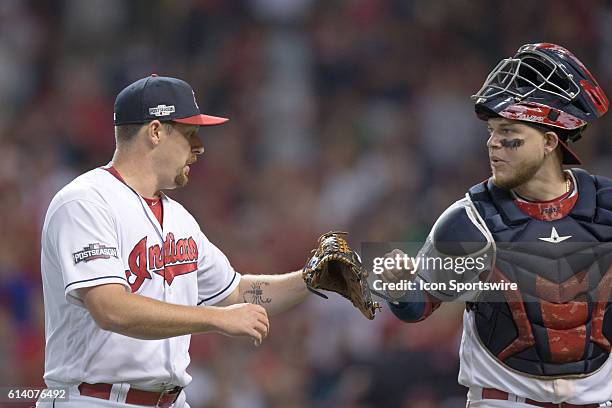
(161, 98)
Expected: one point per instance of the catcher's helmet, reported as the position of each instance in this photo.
(547, 85)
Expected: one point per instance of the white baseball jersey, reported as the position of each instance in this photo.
(478, 369)
(99, 231)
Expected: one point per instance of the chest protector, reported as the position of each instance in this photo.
(559, 322)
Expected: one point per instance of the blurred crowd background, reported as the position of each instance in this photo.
(352, 115)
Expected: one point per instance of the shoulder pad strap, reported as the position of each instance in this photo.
(496, 205)
(478, 191)
(602, 182)
(603, 200)
(504, 202)
(586, 204)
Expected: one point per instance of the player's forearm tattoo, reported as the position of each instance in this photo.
(256, 295)
(512, 143)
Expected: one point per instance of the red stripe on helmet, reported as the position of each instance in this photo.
(545, 115)
(597, 96)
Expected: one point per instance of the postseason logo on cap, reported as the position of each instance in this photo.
(162, 110)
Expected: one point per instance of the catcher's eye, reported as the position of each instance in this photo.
(512, 143)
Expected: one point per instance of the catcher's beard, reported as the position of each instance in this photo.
(523, 174)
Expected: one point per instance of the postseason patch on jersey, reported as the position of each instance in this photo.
(94, 251)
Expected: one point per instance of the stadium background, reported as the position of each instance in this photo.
(351, 115)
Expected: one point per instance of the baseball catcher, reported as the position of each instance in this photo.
(547, 344)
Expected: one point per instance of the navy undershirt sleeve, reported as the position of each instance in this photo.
(411, 306)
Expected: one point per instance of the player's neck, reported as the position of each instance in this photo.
(547, 184)
(137, 173)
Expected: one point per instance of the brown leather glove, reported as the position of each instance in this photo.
(334, 266)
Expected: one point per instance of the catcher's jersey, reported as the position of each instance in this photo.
(478, 369)
(97, 231)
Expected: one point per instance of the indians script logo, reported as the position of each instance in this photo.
(178, 257)
(94, 251)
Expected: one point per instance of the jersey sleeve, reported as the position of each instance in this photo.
(84, 238)
(216, 277)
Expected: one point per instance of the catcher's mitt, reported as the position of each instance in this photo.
(336, 267)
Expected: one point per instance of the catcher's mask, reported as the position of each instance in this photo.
(547, 85)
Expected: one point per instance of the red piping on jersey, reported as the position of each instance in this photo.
(158, 210)
(112, 170)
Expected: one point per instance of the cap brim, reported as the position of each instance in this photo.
(202, 120)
